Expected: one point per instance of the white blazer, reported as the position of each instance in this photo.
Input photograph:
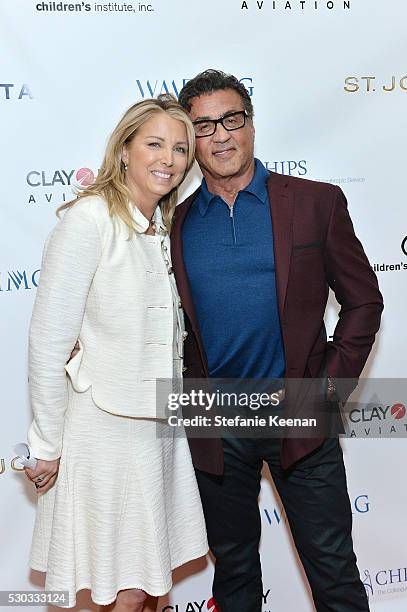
(115, 296)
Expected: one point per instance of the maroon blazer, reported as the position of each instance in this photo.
(315, 248)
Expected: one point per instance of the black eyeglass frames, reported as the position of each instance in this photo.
(230, 121)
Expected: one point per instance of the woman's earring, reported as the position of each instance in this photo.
(125, 166)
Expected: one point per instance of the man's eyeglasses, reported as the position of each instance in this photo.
(231, 121)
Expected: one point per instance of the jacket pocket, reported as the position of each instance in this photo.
(307, 249)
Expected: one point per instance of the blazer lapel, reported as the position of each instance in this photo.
(181, 277)
(282, 209)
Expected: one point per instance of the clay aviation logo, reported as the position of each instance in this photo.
(211, 605)
(398, 411)
(84, 177)
(57, 186)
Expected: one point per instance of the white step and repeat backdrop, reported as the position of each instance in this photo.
(329, 86)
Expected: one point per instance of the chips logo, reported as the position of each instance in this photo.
(290, 167)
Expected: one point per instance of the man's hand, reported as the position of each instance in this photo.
(44, 475)
(330, 390)
(75, 351)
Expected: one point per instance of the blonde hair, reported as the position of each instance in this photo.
(110, 181)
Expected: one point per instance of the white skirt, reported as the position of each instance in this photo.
(124, 511)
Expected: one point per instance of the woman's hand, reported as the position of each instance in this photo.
(44, 475)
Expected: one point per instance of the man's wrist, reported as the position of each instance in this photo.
(330, 389)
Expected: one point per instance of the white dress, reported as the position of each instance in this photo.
(125, 509)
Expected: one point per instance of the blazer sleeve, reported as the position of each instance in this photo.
(354, 283)
(70, 260)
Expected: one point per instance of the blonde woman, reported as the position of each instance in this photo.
(118, 505)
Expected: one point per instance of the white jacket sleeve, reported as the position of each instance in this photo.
(70, 260)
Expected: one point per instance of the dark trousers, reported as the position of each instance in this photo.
(315, 498)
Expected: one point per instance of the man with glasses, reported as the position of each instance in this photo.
(254, 253)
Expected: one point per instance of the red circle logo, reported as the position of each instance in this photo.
(398, 411)
(85, 176)
(211, 605)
